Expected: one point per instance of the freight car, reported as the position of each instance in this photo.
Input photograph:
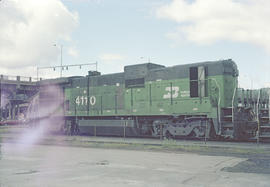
(193, 100)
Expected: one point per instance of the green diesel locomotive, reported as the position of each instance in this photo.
(194, 100)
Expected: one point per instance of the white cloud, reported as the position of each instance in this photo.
(209, 21)
(29, 28)
(73, 52)
(111, 57)
(111, 63)
(84, 1)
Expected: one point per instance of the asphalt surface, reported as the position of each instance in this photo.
(34, 157)
(39, 165)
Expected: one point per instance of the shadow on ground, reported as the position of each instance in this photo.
(252, 165)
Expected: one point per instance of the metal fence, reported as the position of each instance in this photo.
(18, 78)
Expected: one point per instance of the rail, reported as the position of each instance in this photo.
(218, 106)
(269, 104)
(18, 78)
(258, 119)
(233, 102)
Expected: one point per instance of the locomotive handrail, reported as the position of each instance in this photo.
(233, 102)
(269, 104)
(258, 99)
(258, 119)
(218, 106)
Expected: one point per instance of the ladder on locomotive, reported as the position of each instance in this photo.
(227, 126)
(263, 117)
(227, 120)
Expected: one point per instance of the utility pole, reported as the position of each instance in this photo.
(61, 46)
(61, 57)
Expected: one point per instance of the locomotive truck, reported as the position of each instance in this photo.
(198, 100)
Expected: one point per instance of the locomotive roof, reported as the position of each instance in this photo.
(206, 63)
(182, 71)
(151, 72)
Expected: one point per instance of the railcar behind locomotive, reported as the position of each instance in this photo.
(192, 100)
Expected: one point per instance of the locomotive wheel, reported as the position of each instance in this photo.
(199, 132)
(156, 128)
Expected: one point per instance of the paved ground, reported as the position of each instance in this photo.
(39, 165)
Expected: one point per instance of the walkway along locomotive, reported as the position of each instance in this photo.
(192, 100)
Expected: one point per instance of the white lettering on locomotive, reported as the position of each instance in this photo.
(77, 101)
(83, 100)
(169, 94)
(92, 100)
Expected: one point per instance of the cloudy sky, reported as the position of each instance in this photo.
(116, 33)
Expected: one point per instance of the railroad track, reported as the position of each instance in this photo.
(10, 131)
